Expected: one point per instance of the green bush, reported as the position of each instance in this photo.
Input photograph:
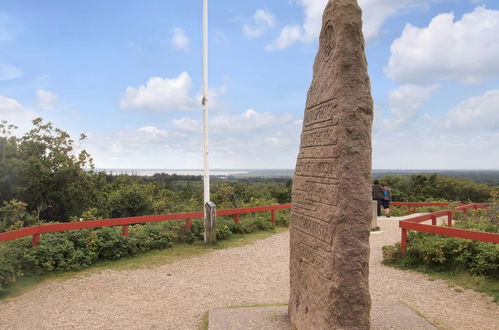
(79, 249)
(223, 231)
(441, 253)
(11, 262)
(391, 254)
(282, 218)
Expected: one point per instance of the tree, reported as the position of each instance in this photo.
(46, 171)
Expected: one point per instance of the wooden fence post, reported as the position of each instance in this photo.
(272, 216)
(210, 223)
(188, 224)
(124, 230)
(35, 241)
(403, 241)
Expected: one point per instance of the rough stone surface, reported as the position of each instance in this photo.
(331, 197)
(374, 216)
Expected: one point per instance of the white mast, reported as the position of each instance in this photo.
(206, 173)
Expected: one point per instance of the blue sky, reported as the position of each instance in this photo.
(128, 75)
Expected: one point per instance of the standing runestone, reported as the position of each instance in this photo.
(331, 197)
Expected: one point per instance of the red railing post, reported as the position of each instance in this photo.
(408, 209)
(188, 224)
(236, 218)
(35, 241)
(124, 230)
(414, 210)
(433, 220)
(403, 241)
(449, 218)
(272, 216)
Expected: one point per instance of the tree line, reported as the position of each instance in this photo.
(46, 176)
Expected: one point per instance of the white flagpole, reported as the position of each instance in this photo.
(206, 173)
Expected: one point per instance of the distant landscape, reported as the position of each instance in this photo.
(479, 176)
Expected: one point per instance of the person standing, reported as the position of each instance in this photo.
(387, 198)
(378, 195)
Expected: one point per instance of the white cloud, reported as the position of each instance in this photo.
(161, 94)
(265, 17)
(435, 149)
(249, 139)
(374, 14)
(289, 35)
(405, 103)
(46, 99)
(179, 39)
(12, 111)
(307, 32)
(186, 125)
(144, 147)
(9, 71)
(250, 120)
(477, 113)
(262, 20)
(153, 132)
(466, 50)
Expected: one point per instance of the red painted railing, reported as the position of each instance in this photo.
(416, 224)
(411, 206)
(36, 231)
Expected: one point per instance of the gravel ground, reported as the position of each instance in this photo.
(176, 295)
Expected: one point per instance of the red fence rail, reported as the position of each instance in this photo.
(36, 231)
(409, 224)
(416, 224)
(412, 206)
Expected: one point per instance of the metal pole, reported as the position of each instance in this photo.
(206, 172)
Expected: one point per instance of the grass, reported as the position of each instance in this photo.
(439, 327)
(146, 260)
(204, 325)
(461, 281)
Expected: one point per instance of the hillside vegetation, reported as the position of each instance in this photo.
(45, 176)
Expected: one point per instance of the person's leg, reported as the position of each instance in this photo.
(379, 207)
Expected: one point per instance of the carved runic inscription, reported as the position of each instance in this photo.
(331, 197)
(328, 40)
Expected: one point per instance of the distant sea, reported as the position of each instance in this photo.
(480, 176)
(213, 172)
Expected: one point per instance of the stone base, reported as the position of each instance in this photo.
(384, 315)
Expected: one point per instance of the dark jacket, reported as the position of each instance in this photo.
(377, 191)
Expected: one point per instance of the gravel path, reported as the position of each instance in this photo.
(175, 296)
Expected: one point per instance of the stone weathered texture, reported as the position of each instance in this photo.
(331, 197)
(374, 217)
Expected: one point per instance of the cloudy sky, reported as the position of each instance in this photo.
(128, 74)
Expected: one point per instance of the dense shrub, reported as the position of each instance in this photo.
(223, 231)
(79, 249)
(440, 253)
(11, 262)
